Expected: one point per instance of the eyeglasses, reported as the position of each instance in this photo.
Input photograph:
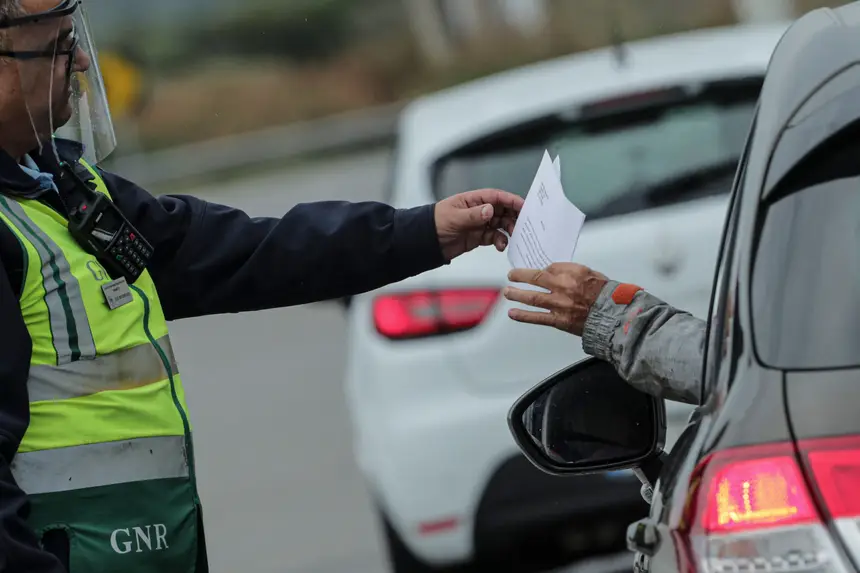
(64, 8)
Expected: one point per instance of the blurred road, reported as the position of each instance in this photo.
(279, 487)
(281, 493)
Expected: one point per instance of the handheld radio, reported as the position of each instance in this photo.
(98, 225)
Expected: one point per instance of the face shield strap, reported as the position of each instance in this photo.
(64, 8)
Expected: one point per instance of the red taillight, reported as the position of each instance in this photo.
(746, 494)
(425, 313)
(835, 465)
(633, 100)
(752, 509)
(440, 526)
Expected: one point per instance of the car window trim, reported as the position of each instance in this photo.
(723, 263)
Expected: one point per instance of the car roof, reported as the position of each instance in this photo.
(436, 123)
(810, 93)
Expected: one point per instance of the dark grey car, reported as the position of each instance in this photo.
(766, 476)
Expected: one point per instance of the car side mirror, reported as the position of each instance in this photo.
(587, 419)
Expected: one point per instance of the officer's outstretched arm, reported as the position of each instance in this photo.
(213, 259)
(654, 346)
(18, 543)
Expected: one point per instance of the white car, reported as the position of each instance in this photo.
(648, 147)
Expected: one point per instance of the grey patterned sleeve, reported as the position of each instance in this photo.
(655, 347)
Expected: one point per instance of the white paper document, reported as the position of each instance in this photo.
(548, 225)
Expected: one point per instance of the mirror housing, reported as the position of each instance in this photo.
(586, 419)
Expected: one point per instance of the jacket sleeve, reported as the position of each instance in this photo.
(212, 259)
(19, 547)
(653, 346)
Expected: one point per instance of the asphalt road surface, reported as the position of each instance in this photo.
(280, 490)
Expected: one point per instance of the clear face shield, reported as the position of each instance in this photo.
(62, 93)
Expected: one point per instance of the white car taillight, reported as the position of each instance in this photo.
(427, 313)
(750, 509)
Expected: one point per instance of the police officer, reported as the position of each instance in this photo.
(96, 454)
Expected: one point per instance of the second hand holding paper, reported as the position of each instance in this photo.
(548, 226)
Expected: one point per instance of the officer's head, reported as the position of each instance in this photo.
(48, 79)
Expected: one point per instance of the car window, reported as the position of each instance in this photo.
(611, 163)
(806, 274)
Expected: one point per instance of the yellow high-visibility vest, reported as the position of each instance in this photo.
(108, 454)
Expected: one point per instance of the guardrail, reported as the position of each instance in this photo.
(211, 158)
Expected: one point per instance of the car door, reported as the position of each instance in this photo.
(652, 536)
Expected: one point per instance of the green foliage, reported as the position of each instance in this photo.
(301, 31)
(309, 32)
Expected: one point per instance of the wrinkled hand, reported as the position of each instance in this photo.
(473, 219)
(573, 290)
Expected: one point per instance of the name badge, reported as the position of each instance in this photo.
(117, 293)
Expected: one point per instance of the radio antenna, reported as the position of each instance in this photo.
(619, 48)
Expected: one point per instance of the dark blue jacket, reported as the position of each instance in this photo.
(209, 259)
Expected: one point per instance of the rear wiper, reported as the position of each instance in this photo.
(699, 181)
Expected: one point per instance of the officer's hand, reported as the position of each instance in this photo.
(473, 219)
(573, 290)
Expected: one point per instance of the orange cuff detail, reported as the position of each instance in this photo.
(624, 293)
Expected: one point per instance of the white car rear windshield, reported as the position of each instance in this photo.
(609, 163)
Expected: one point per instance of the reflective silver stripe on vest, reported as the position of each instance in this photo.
(122, 370)
(94, 465)
(70, 327)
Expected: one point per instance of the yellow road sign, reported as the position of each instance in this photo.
(123, 83)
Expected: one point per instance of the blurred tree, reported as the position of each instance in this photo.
(528, 17)
(303, 31)
(753, 11)
(804, 6)
(428, 25)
